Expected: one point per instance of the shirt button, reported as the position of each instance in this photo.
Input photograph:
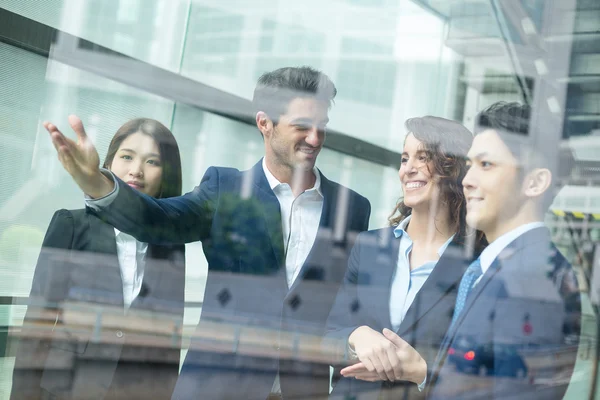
(119, 334)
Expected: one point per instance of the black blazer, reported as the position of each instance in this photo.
(530, 283)
(252, 325)
(77, 339)
(364, 300)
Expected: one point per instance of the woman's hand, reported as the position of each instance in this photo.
(80, 159)
(384, 357)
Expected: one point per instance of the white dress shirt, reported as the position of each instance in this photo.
(300, 217)
(406, 283)
(132, 260)
(493, 250)
(130, 251)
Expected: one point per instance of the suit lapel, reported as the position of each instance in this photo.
(445, 277)
(271, 210)
(449, 337)
(153, 271)
(103, 243)
(385, 260)
(527, 239)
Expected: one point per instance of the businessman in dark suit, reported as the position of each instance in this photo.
(520, 298)
(64, 350)
(275, 238)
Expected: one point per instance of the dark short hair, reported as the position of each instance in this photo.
(276, 89)
(504, 117)
(168, 148)
(446, 143)
(512, 123)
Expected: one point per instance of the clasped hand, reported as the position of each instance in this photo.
(384, 357)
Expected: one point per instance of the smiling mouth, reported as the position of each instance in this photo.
(415, 185)
(474, 200)
(308, 152)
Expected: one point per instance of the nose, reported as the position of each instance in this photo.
(315, 137)
(136, 169)
(410, 166)
(469, 181)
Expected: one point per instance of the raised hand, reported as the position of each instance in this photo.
(80, 159)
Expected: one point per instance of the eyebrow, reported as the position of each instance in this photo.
(308, 121)
(477, 156)
(148, 155)
(404, 153)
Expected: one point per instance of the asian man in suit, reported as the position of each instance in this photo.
(275, 237)
(519, 300)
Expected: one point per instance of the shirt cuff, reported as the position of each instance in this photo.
(422, 385)
(97, 204)
(351, 353)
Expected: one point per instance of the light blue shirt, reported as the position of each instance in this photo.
(406, 283)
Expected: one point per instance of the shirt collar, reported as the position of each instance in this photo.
(401, 228)
(274, 182)
(493, 250)
(400, 231)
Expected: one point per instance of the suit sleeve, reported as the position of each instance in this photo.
(344, 317)
(49, 287)
(175, 220)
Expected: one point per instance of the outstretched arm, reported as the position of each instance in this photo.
(80, 159)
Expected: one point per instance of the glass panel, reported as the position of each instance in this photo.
(436, 221)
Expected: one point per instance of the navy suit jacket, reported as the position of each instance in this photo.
(517, 317)
(364, 300)
(68, 352)
(252, 325)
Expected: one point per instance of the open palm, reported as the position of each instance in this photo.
(79, 158)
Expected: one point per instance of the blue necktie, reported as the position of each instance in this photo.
(466, 284)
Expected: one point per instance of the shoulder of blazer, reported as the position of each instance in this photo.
(81, 215)
(224, 179)
(337, 186)
(381, 234)
(380, 240)
(359, 205)
(223, 172)
(60, 231)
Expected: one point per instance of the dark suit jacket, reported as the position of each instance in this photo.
(77, 341)
(251, 325)
(364, 300)
(530, 283)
